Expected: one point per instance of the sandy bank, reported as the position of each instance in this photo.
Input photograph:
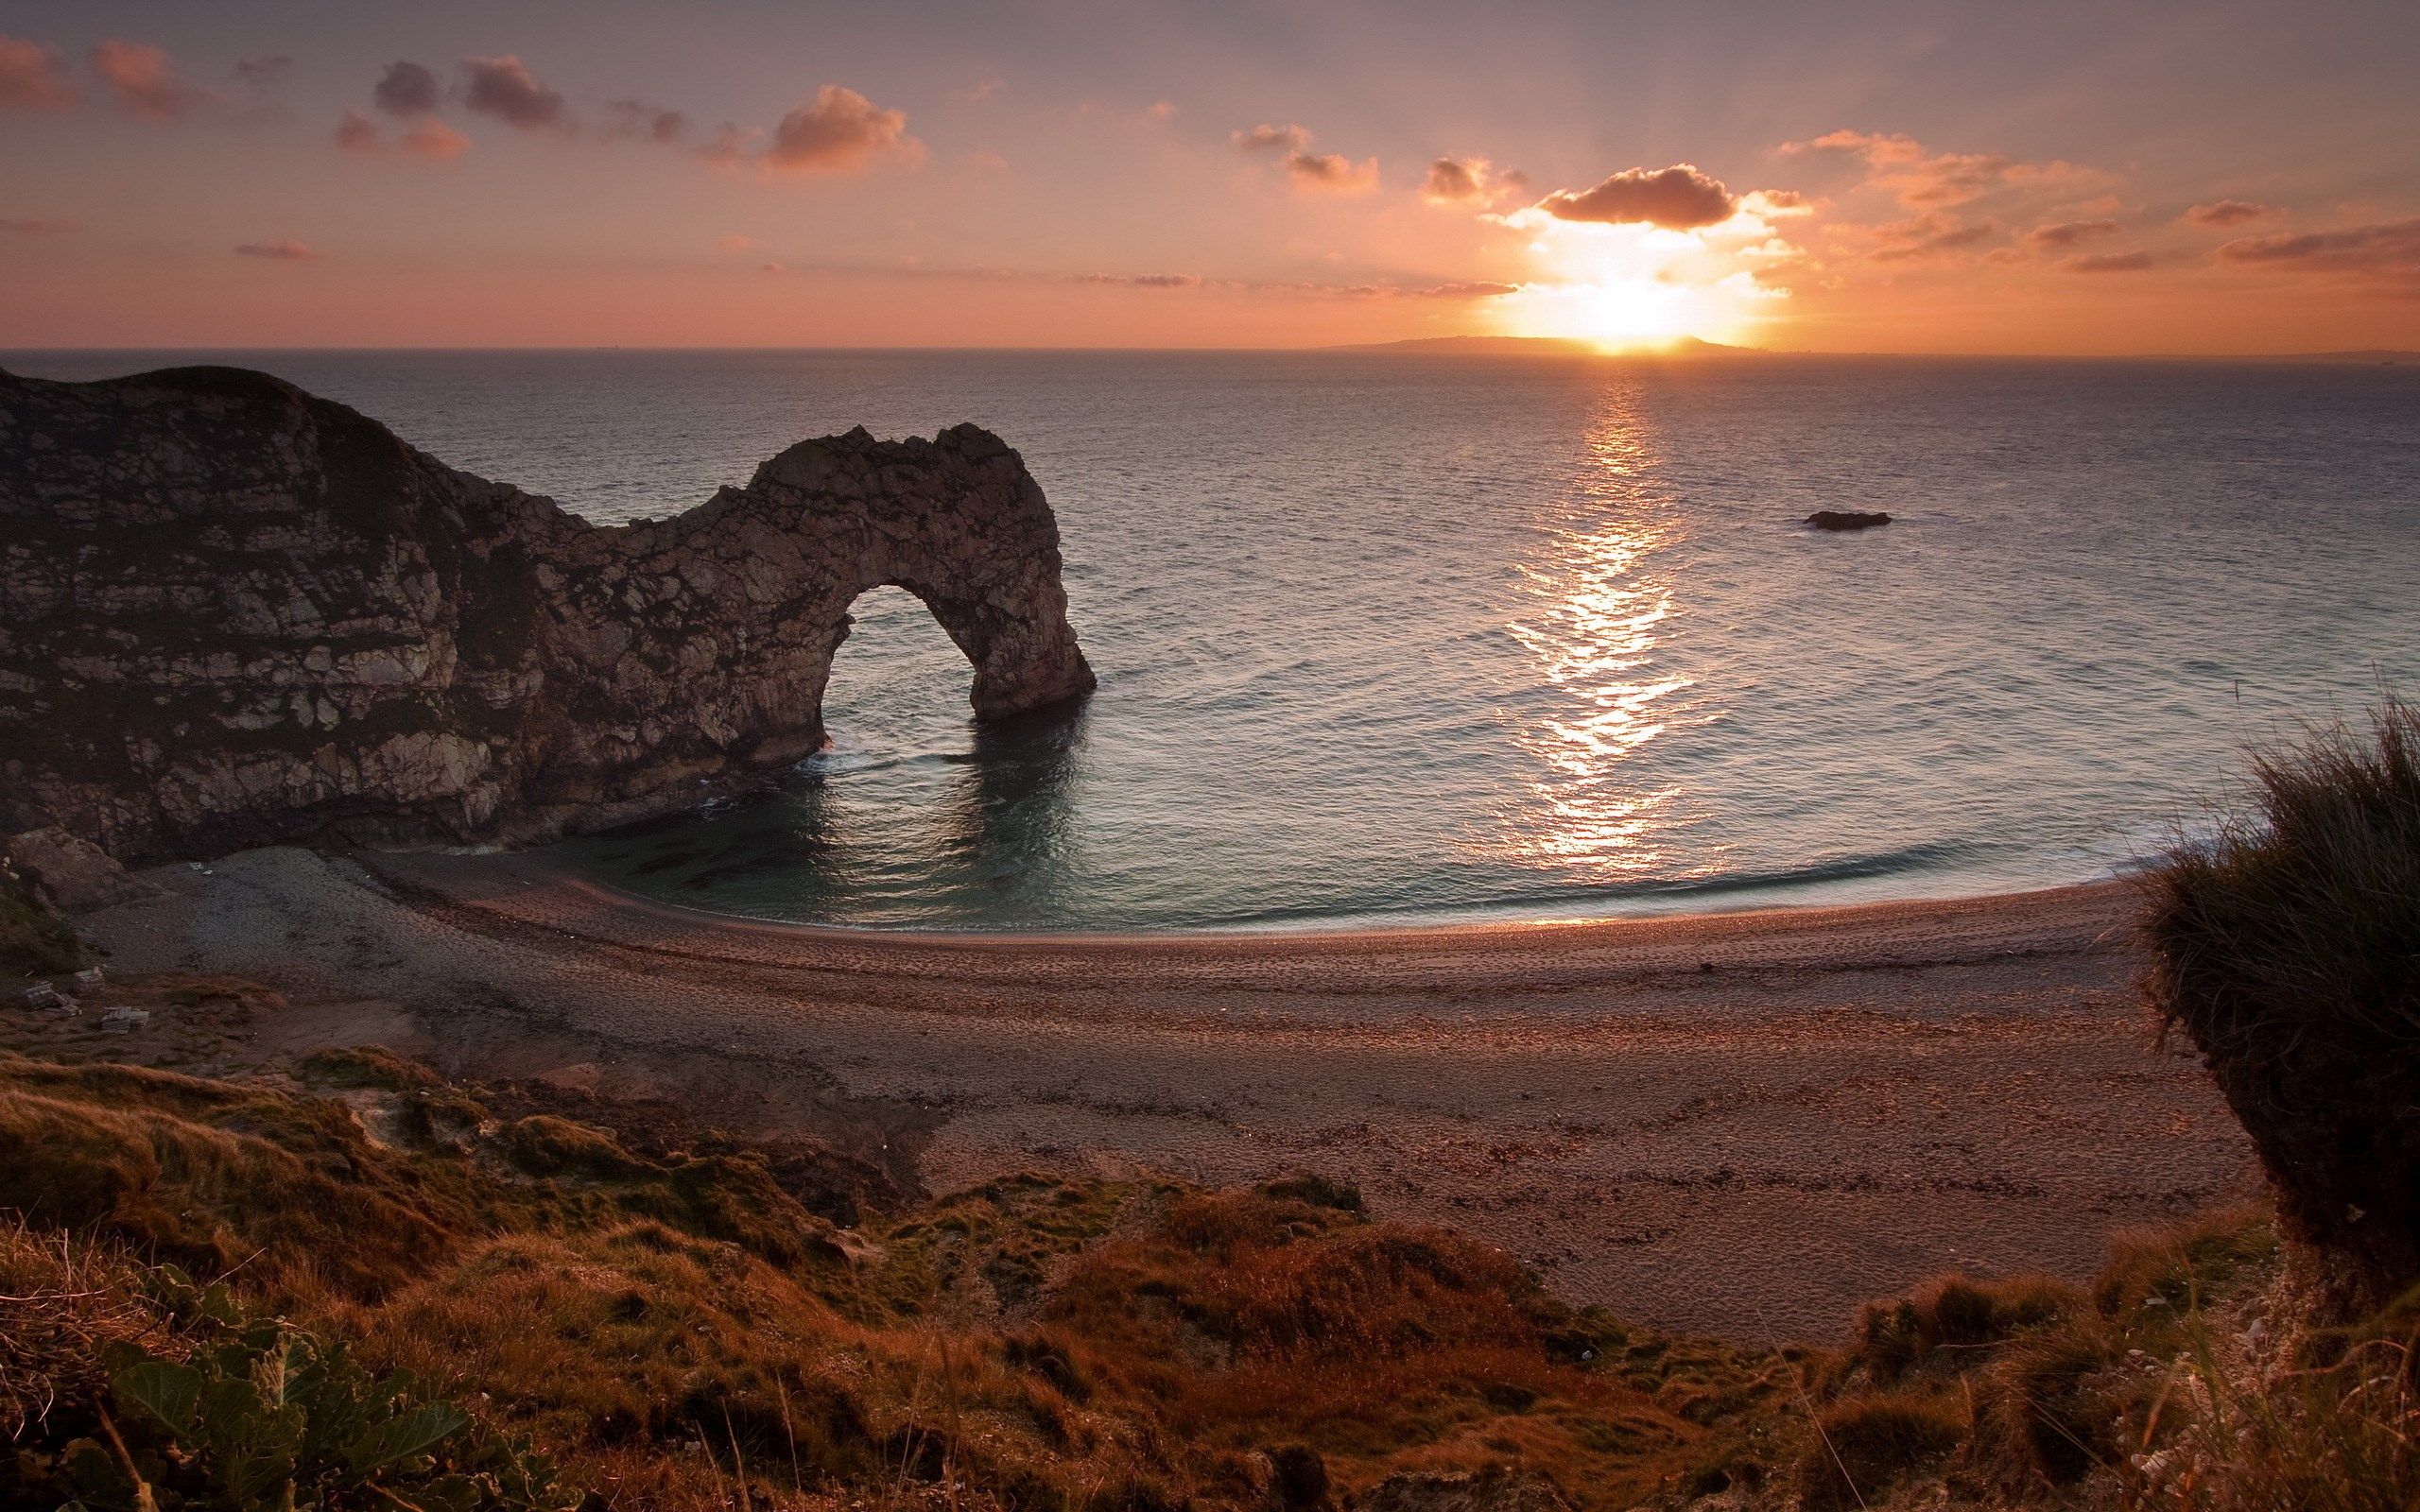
(1744, 1123)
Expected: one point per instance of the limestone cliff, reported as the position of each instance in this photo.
(234, 614)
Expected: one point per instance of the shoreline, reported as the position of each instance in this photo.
(1744, 1123)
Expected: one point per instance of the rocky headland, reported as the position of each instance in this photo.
(233, 614)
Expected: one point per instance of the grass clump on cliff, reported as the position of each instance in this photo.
(2288, 951)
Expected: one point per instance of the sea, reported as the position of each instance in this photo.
(1386, 640)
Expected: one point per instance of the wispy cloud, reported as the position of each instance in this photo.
(284, 249)
(34, 76)
(144, 82)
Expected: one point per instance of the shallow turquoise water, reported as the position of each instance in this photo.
(1385, 639)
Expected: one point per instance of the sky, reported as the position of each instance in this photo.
(2121, 176)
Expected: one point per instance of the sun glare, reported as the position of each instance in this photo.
(1626, 288)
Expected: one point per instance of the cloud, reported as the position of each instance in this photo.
(1900, 164)
(1160, 111)
(2107, 263)
(2384, 253)
(727, 146)
(1273, 139)
(1318, 172)
(1332, 173)
(356, 132)
(1468, 289)
(284, 249)
(145, 81)
(2226, 212)
(265, 72)
(42, 227)
(842, 131)
(34, 76)
(1928, 236)
(2068, 232)
(637, 118)
(1144, 280)
(431, 140)
(739, 243)
(504, 88)
(406, 91)
(1771, 203)
(1466, 182)
(772, 267)
(1679, 197)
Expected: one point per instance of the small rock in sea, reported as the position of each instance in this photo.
(1847, 519)
(121, 1020)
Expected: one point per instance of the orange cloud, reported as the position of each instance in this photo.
(40, 228)
(1679, 197)
(842, 131)
(726, 146)
(1273, 139)
(2068, 232)
(2226, 212)
(34, 76)
(506, 89)
(284, 249)
(1318, 172)
(1144, 280)
(431, 140)
(144, 82)
(1332, 173)
(2384, 253)
(2107, 263)
(1900, 164)
(1928, 236)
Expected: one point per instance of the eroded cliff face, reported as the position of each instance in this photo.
(232, 614)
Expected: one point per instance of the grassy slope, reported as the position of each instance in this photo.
(659, 1323)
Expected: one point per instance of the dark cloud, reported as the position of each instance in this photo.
(356, 132)
(1930, 234)
(42, 227)
(504, 88)
(1273, 139)
(2107, 263)
(284, 249)
(2068, 232)
(33, 77)
(1144, 280)
(1678, 199)
(2226, 212)
(842, 131)
(2384, 253)
(639, 118)
(406, 91)
(145, 81)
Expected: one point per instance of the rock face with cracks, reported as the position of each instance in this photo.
(232, 615)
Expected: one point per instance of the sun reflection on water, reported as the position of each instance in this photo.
(1600, 607)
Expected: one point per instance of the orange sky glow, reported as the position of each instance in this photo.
(2178, 178)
